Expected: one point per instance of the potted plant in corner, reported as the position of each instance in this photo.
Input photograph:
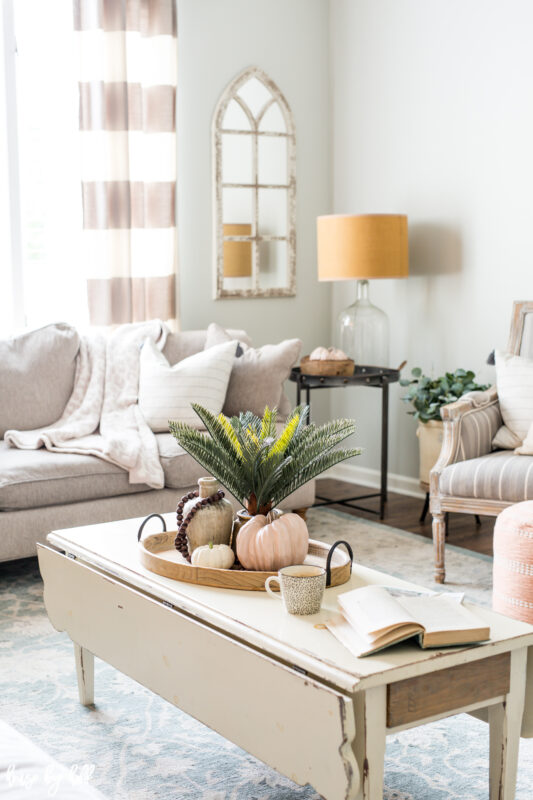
(261, 468)
(427, 396)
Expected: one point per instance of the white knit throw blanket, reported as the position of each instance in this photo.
(102, 417)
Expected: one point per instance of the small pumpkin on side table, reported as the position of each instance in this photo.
(327, 361)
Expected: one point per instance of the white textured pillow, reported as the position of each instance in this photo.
(167, 392)
(514, 381)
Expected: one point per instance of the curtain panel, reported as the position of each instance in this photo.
(127, 120)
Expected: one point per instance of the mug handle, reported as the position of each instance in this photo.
(277, 595)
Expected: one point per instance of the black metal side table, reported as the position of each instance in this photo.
(379, 377)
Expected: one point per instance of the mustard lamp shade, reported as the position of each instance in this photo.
(237, 255)
(362, 246)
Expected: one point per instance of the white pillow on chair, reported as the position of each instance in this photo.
(514, 381)
(167, 392)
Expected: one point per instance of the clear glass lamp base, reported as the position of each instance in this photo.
(364, 331)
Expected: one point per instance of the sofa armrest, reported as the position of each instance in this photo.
(470, 425)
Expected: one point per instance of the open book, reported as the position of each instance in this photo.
(372, 618)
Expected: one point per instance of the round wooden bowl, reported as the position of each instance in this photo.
(326, 367)
(158, 554)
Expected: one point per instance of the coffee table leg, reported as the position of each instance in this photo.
(85, 672)
(370, 738)
(505, 720)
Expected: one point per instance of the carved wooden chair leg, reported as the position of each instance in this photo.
(439, 534)
(302, 512)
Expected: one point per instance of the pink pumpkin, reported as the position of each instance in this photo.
(266, 543)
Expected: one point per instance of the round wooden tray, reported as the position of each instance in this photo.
(158, 554)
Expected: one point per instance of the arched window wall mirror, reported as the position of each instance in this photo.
(255, 190)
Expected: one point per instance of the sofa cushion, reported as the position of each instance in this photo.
(36, 376)
(181, 469)
(497, 476)
(34, 478)
(185, 343)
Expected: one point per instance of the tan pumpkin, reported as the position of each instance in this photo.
(271, 542)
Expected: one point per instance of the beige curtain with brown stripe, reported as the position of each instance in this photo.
(128, 71)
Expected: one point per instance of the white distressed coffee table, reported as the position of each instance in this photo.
(307, 706)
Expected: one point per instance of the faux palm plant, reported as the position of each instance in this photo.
(259, 467)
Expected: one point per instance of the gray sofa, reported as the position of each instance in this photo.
(42, 491)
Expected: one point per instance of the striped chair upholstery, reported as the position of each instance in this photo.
(496, 476)
(477, 429)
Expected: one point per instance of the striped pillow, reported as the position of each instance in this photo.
(167, 392)
(514, 380)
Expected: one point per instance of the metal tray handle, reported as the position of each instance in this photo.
(330, 555)
(143, 523)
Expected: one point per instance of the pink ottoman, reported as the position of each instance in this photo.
(513, 562)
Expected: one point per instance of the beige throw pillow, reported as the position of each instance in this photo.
(167, 392)
(257, 377)
(514, 381)
(37, 376)
(216, 334)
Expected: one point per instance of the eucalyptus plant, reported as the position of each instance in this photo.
(428, 395)
(256, 464)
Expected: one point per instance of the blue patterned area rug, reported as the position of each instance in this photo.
(139, 747)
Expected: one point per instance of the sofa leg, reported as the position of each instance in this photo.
(302, 512)
(439, 535)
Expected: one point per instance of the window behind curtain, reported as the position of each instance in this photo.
(47, 151)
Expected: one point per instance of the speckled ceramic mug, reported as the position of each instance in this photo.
(301, 588)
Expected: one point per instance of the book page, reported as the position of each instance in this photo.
(372, 611)
(438, 613)
(362, 646)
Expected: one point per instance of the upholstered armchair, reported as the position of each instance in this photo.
(469, 476)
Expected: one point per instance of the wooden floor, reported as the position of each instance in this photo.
(404, 512)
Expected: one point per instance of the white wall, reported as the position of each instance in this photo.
(288, 39)
(433, 117)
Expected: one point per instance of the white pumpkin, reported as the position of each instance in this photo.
(319, 354)
(217, 556)
(336, 355)
(327, 354)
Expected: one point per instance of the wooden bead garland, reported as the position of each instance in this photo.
(180, 542)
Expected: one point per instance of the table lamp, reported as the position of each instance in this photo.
(363, 246)
(237, 255)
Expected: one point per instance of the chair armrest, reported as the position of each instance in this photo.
(470, 425)
(472, 401)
